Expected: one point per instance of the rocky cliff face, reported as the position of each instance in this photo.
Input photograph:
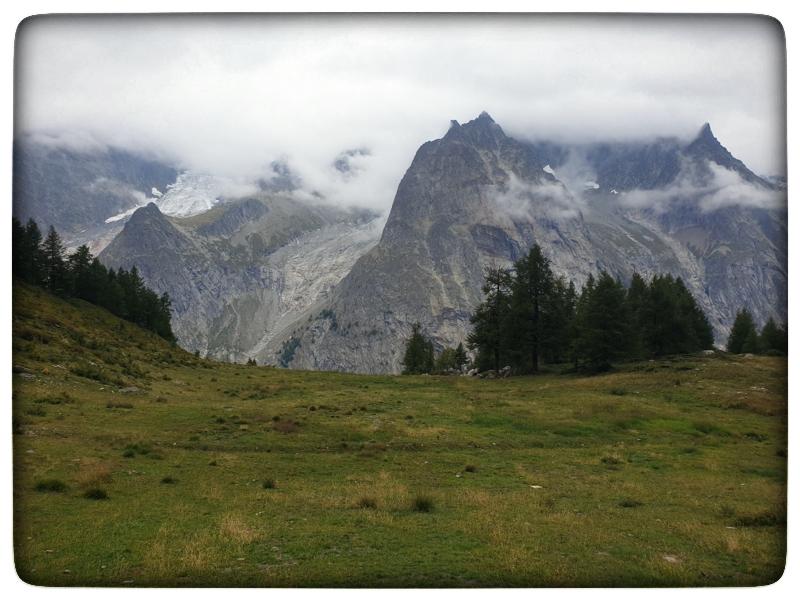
(77, 190)
(478, 197)
(242, 272)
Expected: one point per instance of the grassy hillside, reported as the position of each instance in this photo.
(663, 473)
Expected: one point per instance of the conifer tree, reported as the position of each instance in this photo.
(603, 323)
(533, 306)
(55, 270)
(637, 298)
(488, 337)
(743, 337)
(460, 356)
(418, 357)
(773, 339)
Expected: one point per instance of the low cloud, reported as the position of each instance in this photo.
(229, 95)
(721, 188)
(526, 201)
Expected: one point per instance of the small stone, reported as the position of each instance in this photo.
(671, 559)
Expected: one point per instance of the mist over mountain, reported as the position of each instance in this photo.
(478, 198)
(273, 270)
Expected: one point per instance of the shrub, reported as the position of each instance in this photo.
(96, 494)
(422, 504)
(629, 503)
(169, 480)
(367, 502)
(470, 468)
(269, 484)
(51, 486)
(617, 391)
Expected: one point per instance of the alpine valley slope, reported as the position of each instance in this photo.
(478, 197)
(245, 270)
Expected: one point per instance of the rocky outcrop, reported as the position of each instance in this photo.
(478, 197)
(241, 273)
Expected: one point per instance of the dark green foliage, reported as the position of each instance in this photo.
(669, 320)
(489, 332)
(80, 275)
(251, 362)
(418, 357)
(743, 337)
(169, 480)
(447, 361)
(55, 486)
(461, 356)
(773, 339)
(530, 316)
(603, 319)
(269, 484)
(422, 504)
(286, 353)
(96, 494)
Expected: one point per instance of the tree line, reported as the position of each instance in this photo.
(530, 317)
(44, 262)
(420, 358)
(745, 339)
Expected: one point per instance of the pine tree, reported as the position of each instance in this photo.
(461, 356)
(55, 269)
(773, 339)
(638, 299)
(743, 337)
(80, 267)
(418, 357)
(488, 337)
(604, 321)
(446, 360)
(27, 258)
(533, 308)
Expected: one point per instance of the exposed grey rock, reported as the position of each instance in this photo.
(477, 198)
(76, 190)
(245, 271)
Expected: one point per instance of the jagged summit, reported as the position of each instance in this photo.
(480, 131)
(148, 211)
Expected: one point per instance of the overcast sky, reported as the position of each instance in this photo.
(228, 95)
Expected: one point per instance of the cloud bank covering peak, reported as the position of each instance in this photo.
(231, 95)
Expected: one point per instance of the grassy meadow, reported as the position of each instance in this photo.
(137, 464)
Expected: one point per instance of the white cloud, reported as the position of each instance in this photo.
(228, 95)
(523, 200)
(724, 188)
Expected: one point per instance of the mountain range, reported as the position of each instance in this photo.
(306, 285)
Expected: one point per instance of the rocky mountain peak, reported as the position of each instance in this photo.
(146, 214)
(481, 132)
(706, 147)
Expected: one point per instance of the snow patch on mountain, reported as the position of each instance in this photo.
(191, 194)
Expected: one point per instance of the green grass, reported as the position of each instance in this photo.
(553, 480)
